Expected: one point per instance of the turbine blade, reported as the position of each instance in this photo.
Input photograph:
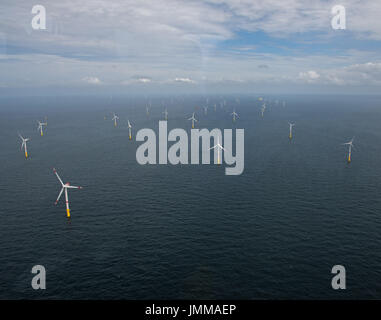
(60, 194)
(74, 187)
(54, 170)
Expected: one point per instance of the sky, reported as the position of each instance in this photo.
(272, 46)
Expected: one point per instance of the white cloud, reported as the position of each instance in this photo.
(185, 80)
(309, 76)
(144, 80)
(92, 80)
(353, 75)
(161, 40)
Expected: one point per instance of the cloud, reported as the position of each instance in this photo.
(92, 80)
(206, 40)
(184, 80)
(144, 80)
(137, 79)
(309, 76)
(353, 75)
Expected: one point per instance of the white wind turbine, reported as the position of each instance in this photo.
(234, 114)
(206, 110)
(165, 114)
(23, 144)
(350, 144)
(115, 118)
(40, 125)
(291, 126)
(219, 148)
(263, 109)
(64, 188)
(193, 120)
(129, 129)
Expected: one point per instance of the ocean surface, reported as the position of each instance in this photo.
(190, 231)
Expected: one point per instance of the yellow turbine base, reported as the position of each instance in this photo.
(130, 137)
(42, 133)
(68, 213)
(290, 136)
(26, 154)
(349, 159)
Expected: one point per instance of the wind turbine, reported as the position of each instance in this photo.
(40, 124)
(64, 188)
(291, 126)
(350, 144)
(263, 109)
(147, 111)
(193, 120)
(219, 147)
(129, 129)
(206, 110)
(23, 144)
(115, 118)
(165, 114)
(234, 114)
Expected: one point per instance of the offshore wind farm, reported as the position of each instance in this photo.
(191, 230)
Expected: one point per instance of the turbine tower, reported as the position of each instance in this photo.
(219, 148)
(64, 188)
(129, 129)
(350, 144)
(193, 120)
(40, 124)
(291, 126)
(23, 144)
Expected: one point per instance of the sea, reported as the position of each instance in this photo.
(190, 231)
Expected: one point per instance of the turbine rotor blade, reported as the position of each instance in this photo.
(54, 170)
(59, 196)
(74, 187)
